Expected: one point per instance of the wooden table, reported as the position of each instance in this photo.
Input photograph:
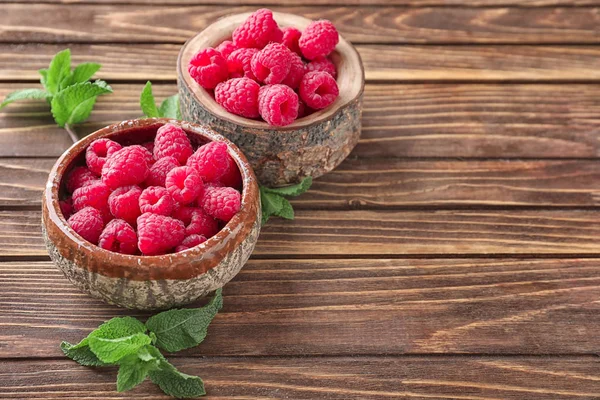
(454, 255)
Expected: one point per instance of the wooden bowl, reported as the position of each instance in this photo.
(155, 282)
(311, 146)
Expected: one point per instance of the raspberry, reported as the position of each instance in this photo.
(257, 30)
(318, 89)
(157, 234)
(239, 96)
(98, 152)
(88, 223)
(303, 111)
(149, 146)
(128, 166)
(147, 154)
(160, 169)
(184, 184)
(226, 48)
(221, 202)
(318, 39)
(118, 236)
(124, 203)
(272, 64)
(93, 195)
(322, 64)
(278, 104)
(290, 39)
(66, 207)
(196, 221)
(297, 71)
(208, 67)
(78, 177)
(172, 141)
(232, 177)
(156, 199)
(239, 63)
(189, 242)
(210, 161)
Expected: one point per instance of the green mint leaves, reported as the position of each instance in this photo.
(168, 109)
(274, 203)
(69, 92)
(130, 344)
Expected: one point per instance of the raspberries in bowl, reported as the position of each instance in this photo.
(287, 90)
(151, 214)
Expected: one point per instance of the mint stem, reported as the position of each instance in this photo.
(71, 133)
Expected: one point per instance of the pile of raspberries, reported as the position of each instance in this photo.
(271, 73)
(151, 199)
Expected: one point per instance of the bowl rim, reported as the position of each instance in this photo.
(343, 49)
(234, 232)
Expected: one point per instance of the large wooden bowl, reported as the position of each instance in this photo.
(311, 146)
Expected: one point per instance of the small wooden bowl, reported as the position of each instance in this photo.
(155, 282)
(311, 146)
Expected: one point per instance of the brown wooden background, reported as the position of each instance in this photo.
(454, 255)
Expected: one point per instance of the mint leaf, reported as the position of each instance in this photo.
(117, 338)
(294, 190)
(184, 328)
(134, 369)
(147, 102)
(81, 353)
(58, 71)
(286, 211)
(271, 204)
(44, 74)
(74, 104)
(24, 94)
(175, 383)
(83, 72)
(170, 108)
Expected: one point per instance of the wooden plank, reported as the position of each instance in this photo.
(481, 378)
(343, 307)
(414, 120)
(144, 62)
(397, 233)
(369, 24)
(372, 183)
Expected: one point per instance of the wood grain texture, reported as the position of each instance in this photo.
(398, 233)
(382, 63)
(481, 378)
(414, 3)
(372, 183)
(342, 307)
(415, 120)
(369, 24)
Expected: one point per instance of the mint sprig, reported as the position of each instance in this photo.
(70, 94)
(134, 347)
(169, 108)
(273, 200)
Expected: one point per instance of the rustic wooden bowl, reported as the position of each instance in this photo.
(155, 282)
(311, 146)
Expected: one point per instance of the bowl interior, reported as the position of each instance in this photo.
(350, 72)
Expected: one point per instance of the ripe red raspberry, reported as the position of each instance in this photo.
(118, 236)
(303, 111)
(290, 39)
(88, 223)
(147, 153)
(66, 207)
(318, 89)
(124, 203)
(78, 177)
(232, 177)
(93, 195)
(184, 184)
(160, 169)
(318, 39)
(257, 30)
(297, 71)
(196, 221)
(239, 96)
(208, 67)
(226, 48)
(158, 234)
(278, 104)
(98, 152)
(221, 202)
(272, 64)
(128, 166)
(210, 160)
(156, 200)
(189, 242)
(149, 146)
(172, 141)
(239, 63)
(322, 64)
